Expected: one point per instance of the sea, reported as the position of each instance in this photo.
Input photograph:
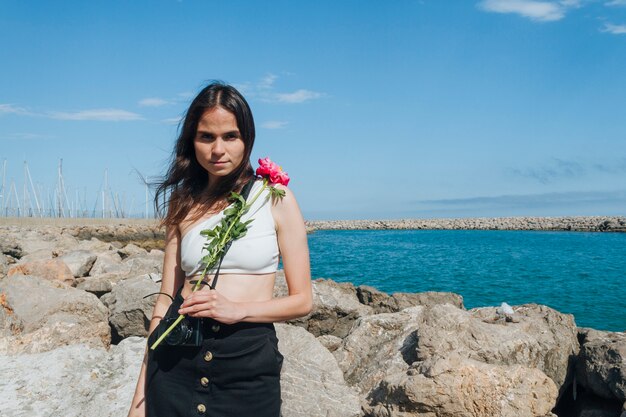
(580, 273)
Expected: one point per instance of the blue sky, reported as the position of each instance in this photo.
(400, 109)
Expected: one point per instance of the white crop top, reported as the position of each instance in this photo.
(255, 253)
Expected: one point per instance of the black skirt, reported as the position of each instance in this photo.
(236, 372)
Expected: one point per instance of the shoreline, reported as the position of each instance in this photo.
(142, 229)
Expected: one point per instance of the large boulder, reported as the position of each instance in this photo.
(51, 269)
(404, 363)
(335, 307)
(543, 338)
(143, 264)
(79, 261)
(601, 366)
(130, 312)
(72, 381)
(454, 386)
(39, 315)
(9, 245)
(382, 302)
(109, 262)
(311, 382)
(130, 250)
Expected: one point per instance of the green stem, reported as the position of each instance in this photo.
(209, 265)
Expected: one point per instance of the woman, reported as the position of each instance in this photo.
(236, 371)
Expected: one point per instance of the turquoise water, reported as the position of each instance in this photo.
(580, 273)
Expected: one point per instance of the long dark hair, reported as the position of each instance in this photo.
(186, 179)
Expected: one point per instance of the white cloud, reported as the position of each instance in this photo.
(614, 29)
(171, 121)
(616, 3)
(23, 136)
(297, 96)
(267, 82)
(541, 11)
(185, 94)
(12, 109)
(153, 102)
(274, 124)
(96, 114)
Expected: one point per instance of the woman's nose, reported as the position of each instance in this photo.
(218, 146)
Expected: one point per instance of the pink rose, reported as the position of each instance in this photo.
(275, 174)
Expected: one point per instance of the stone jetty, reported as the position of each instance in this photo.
(578, 223)
(73, 327)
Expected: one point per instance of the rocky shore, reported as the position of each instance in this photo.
(73, 323)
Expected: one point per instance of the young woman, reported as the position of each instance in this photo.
(236, 370)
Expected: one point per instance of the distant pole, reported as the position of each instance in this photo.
(3, 190)
(104, 193)
(30, 180)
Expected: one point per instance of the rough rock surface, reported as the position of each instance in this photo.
(51, 269)
(382, 302)
(335, 307)
(79, 262)
(456, 386)
(71, 381)
(130, 312)
(312, 383)
(109, 262)
(39, 315)
(602, 363)
(412, 355)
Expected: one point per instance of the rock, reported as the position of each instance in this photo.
(379, 344)
(130, 313)
(457, 386)
(94, 245)
(312, 384)
(131, 249)
(330, 342)
(382, 302)
(10, 246)
(39, 315)
(109, 262)
(414, 353)
(5, 261)
(544, 338)
(79, 262)
(51, 269)
(143, 264)
(335, 308)
(427, 298)
(72, 381)
(601, 365)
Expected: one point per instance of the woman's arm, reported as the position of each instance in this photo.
(173, 277)
(292, 241)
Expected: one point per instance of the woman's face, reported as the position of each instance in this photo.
(218, 144)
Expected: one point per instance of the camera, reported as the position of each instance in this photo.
(188, 332)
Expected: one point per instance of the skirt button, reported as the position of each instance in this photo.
(201, 408)
(215, 328)
(208, 356)
(204, 381)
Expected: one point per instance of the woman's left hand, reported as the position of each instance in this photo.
(212, 304)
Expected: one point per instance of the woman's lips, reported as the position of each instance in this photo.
(218, 162)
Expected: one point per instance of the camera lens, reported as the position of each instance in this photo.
(179, 334)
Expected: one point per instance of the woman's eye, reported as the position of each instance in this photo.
(206, 136)
(232, 136)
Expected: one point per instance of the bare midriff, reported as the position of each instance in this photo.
(237, 287)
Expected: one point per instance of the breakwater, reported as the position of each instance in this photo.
(569, 223)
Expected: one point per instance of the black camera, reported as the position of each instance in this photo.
(188, 332)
